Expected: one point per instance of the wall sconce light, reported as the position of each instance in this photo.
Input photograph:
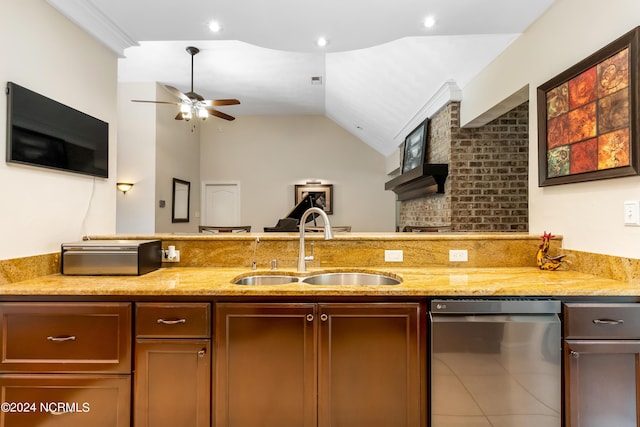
(124, 186)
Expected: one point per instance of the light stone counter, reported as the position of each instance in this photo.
(416, 282)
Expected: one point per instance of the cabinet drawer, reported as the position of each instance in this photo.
(184, 320)
(602, 321)
(63, 400)
(65, 337)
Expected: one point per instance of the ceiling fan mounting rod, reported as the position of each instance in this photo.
(193, 51)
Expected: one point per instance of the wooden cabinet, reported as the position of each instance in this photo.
(331, 364)
(602, 373)
(265, 365)
(65, 337)
(371, 363)
(172, 365)
(65, 364)
(65, 400)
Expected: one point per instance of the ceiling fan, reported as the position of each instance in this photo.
(192, 104)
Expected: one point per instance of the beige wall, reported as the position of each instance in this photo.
(589, 215)
(136, 159)
(40, 208)
(268, 155)
(177, 156)
(153, 149)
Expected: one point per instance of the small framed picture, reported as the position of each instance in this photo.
(322, 195)
(415, 147)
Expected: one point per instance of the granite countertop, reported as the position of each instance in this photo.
(416, 282)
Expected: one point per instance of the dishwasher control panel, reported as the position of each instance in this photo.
(480, 306)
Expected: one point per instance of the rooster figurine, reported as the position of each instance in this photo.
(544, 261)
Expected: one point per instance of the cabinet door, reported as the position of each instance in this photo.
(172, 383)
(56, 400)
(265, 365)
(371, 365)
(601, 383)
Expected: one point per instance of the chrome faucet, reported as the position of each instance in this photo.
(328, 235)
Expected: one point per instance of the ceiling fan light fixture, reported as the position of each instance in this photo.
(202, 113)
(192, 104)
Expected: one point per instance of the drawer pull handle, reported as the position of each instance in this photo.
(608, 322)
(309, 317)
(575, 354)
(202, 352)
(171, 322)
(324, 317)
(62, 339)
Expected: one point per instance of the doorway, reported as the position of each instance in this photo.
(221, 203)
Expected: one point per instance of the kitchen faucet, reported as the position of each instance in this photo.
(328, 235)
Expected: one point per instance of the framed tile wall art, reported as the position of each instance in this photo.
(588, 117)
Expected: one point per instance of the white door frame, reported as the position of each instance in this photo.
(203, 195)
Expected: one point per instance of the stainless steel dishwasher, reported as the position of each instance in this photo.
(495, 363)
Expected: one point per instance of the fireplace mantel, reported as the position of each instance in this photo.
(419, 182)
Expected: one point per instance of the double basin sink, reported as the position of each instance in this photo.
(322, 279)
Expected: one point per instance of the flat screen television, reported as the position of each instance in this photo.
(45, 133)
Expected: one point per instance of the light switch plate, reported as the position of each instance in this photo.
(393, 255)
(632, 212)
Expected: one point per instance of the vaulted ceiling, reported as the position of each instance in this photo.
(380, 69)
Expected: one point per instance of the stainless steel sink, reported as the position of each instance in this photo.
(363, 279)
(265, 280)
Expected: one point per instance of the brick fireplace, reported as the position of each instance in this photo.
(487, 185)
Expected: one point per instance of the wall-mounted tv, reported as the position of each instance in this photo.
(45, 133)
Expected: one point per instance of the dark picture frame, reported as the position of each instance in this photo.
(588, 117)
(180, 197)
(415, 147)
(323, 195)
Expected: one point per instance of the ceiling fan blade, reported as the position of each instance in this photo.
(219, 102)
(220, 114)
(175, 92)
(156, 102)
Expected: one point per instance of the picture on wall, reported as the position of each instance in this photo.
(322, 195)
(180, 200)
(588, 117)
(415, 147)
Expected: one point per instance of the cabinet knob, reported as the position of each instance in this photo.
(309, 317)
(575, 354)
(324, 317)
(202, 353)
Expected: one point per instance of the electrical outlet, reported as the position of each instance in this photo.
(165, 256)
(458, 255)
(393, 256)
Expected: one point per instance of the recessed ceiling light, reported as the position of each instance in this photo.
(322, 42)
(429, 21)
(215, 27)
